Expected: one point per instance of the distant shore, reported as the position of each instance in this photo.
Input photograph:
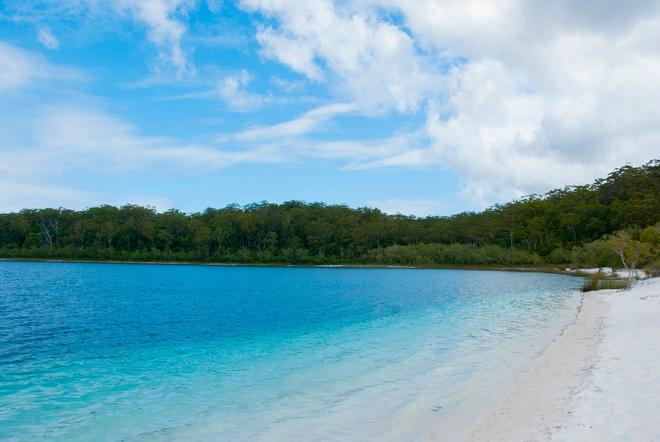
(599, 380)
(536, 268)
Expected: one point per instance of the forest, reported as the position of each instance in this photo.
(569, 225)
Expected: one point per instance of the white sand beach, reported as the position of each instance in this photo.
(598, 381)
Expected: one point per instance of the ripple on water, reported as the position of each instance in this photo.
(94, 351)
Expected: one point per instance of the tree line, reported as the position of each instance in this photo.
(556, 227)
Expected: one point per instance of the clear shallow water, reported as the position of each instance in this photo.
(148, 352)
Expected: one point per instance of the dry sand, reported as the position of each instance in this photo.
(598, 381)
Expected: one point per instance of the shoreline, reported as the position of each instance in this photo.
(574, 389)
(486, 267)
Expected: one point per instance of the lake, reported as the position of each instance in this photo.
(178, 352)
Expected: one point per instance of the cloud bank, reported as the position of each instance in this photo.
(518, 97)
(514, 96)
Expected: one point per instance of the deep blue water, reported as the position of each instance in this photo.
(149, 352)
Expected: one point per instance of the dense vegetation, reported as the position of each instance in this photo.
(564, 225)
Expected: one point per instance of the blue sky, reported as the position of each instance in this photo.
(422, 108)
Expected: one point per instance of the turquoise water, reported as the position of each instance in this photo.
(148, 352)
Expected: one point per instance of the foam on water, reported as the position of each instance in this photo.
(107, 352)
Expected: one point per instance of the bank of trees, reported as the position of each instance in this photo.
(625, 249)
(563, 225)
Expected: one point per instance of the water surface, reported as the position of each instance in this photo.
(149, 352)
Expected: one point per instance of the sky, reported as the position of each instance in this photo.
(426, 107)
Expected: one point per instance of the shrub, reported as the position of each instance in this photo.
(598, 281)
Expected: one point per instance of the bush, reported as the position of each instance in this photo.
(598, 281)
(594, 254)
(558, 256)
(452, 254)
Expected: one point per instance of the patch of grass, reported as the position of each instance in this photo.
(598, 281)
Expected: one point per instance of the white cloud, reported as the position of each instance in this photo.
(519, 97)
(376, 61)
(85, 136)
(233, 90)
(20, 68)
(18, 194)
(304, 124)
(397, 150)
(298, 139)
(289, 86)
(165, 22)
(569, 106)
(17, 68)
(165, 28)
(47, 39)
(63, 140)
(214, 6)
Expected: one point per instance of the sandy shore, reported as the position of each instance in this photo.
(598, 381)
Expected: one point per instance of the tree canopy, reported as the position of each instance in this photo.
(530, 230)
